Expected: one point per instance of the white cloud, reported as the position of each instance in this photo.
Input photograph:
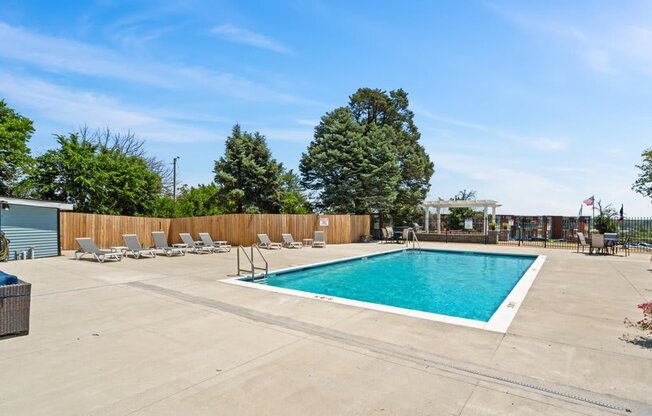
(63, 55)
(538, 143)
(525, 191)
(303, 136)
(238, 35)
(606, 40)
(305, 122)
(598, 60)
(73, 108)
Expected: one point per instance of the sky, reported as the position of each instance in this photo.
(535, 105)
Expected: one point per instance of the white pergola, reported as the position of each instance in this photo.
(485, 204)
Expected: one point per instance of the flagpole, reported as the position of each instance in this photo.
(593, 217)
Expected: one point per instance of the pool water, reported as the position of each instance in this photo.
(462, 284)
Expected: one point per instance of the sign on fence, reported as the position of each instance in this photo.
(323, 222)
(468, 223)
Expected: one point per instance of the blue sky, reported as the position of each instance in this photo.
(535, 105)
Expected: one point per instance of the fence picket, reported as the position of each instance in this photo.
(237, 229)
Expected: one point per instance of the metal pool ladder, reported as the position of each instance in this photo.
(252, 266)
(415, 240)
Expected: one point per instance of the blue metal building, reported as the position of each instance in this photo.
(32, 227)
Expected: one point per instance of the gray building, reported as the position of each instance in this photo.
(31, 226)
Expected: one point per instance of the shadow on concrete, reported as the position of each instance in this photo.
(639, 341)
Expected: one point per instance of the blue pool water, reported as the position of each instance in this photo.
(462, 284)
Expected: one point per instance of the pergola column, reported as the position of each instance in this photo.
(439, 204)
(426, 220)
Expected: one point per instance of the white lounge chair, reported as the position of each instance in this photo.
(192, 247)
(265, 242)
(219, 246)
(161, 243)
(288, 241)
(320, 239)
(87, 246)
(136, 249)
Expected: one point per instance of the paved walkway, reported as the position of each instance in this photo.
(164, 336)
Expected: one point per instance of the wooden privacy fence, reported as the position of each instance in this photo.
(237, 229)
(107, 230)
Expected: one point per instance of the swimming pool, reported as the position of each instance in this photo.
(463, 287)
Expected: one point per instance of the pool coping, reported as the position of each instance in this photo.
(499, 321)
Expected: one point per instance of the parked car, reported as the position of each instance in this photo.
(638, 245)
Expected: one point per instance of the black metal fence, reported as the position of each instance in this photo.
(634, 234)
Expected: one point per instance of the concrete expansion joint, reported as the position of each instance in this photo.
(559, 391)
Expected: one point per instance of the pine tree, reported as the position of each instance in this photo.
(374, 107)
(249, 179)
(367, 157)
(351, 172)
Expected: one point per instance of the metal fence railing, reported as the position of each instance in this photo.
(634, 234)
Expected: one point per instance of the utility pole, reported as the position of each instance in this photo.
(174, 178)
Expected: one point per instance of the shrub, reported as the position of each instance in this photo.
(644, 324)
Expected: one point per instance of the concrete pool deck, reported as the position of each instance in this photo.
(164, 336)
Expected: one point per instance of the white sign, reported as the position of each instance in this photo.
(468, 223)
(511, 222)
(323, 222)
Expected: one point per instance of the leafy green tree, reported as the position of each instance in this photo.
(605, 221)
(248, 178)
(129, 144)
(643, 184)
(15, 158)
(163, 206)
(456, 216)
(376, 108)
(351, 169)
(99, 179)
(293, 199)
(192, 201)
(199, 201)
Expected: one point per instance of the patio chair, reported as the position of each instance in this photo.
(136, 249)
(627, 242)
(581, 242)
(265, 242)
(597, 243)
(385, 234)
(390, 235)
(161, 243)
(87, 246)
(219, 246)
(192, 246)
(320, 239)
(288, 241)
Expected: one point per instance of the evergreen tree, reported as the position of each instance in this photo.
(249, 179)
(350, 171)
(15, 159)
(376, 108)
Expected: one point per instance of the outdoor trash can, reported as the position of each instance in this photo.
(14, 305)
